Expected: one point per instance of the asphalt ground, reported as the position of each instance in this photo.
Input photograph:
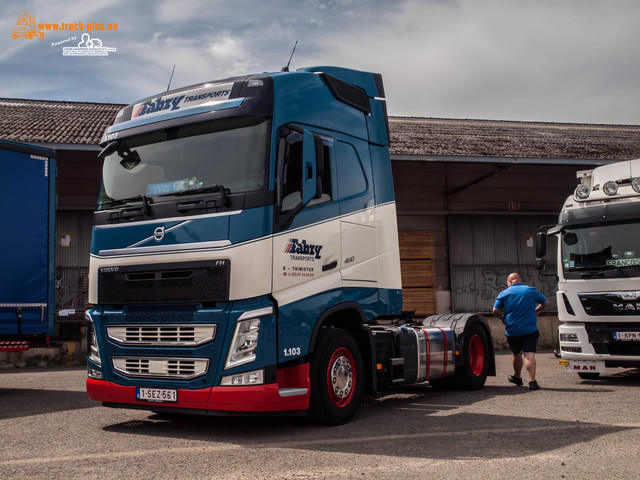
(572, 428)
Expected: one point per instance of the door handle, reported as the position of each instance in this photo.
(330, 266)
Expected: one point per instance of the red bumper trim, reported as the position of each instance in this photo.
(259, 398)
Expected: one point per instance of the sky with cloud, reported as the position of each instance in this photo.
(538, 60)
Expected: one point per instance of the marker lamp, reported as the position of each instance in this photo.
(582, 192)
(610, 188)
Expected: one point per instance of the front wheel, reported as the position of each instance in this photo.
(336, 378)
(475, 350)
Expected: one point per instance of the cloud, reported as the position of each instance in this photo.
(514, 60)
(571, 61)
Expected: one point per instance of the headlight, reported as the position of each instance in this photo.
(568, 337)
(244, 343)
(92, 341)
(635, 184)
(582, 192)
(610, 188)
(245, 338)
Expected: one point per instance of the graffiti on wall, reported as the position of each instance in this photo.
(493, 281)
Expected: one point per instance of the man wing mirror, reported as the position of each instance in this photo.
(541, 245)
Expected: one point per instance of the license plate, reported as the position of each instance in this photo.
(584, 366)
(156, 395)
(626, 336)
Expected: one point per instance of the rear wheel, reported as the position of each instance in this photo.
(336, 378)
(589, 375)
(475, 350)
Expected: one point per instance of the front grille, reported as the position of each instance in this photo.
(601, 337)
(165, 283)
(169, 335)
(625, 303)
(162, 319)
(183, 368)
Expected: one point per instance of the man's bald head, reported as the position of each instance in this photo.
(513, 278)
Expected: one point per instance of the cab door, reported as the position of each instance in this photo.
(306, 245)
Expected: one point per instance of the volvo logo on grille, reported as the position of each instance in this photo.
(158, 234)
(108, 269)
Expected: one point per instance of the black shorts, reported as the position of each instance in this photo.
(524, 343)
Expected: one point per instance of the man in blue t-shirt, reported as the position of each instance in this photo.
(518, 307)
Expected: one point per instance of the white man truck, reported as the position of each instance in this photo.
(245, 255)
(598, 252)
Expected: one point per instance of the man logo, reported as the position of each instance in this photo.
(158, 234)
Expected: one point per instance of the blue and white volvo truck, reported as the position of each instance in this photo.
(27, 246)
(245, 255)
(598, 252)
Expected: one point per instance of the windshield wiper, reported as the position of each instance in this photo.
(207, 188)
(592, 275)
(138, 198)
(599, 272)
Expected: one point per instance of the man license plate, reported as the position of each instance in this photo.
(156, 394)
(626, 336)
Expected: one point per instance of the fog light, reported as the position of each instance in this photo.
(249, 378)
(582, 192)
(635, 184)
(94, 373)
(610, 188)
(568, 337)
(571, 349)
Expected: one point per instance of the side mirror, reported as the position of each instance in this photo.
(541, 246)
(540, 264)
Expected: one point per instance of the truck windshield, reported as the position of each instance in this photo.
(602, 247)
(231, 153)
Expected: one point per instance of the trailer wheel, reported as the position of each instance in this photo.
(475, 349)
(336, 378)
(589, 375)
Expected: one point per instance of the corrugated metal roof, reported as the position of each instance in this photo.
(43, 121)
